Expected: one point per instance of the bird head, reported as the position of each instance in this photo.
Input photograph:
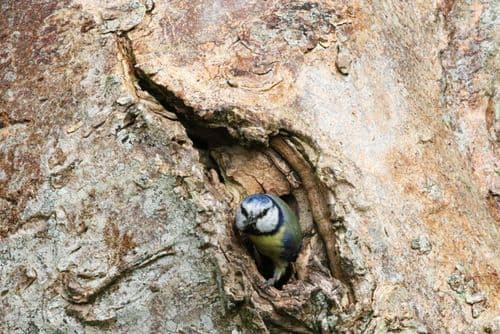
(257, 214)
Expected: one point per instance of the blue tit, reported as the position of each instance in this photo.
(273, 229)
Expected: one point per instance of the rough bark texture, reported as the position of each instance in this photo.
(130, 130)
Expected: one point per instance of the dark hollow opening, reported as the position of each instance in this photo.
(205, 138)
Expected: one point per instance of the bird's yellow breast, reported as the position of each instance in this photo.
(270, 245)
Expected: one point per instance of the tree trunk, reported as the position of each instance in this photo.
(130, 130)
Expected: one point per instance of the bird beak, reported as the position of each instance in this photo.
(251, 224)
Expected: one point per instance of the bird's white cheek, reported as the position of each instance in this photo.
(269, 222)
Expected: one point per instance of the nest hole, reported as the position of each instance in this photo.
(206, 138)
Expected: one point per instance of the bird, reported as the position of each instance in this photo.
(274, 230)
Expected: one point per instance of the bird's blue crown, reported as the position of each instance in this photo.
(258, 199)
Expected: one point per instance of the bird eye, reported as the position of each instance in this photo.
(244, 212)
(265, 212)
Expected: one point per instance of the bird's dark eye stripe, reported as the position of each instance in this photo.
(263, 213)
(244, 212)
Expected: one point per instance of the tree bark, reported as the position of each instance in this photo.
(131, 129)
